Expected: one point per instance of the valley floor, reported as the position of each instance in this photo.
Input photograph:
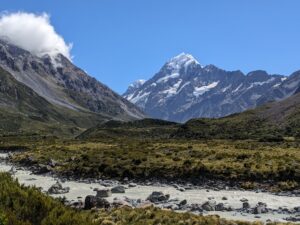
(246, 164)
(196, 171)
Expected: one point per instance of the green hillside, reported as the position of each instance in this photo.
(22, 111)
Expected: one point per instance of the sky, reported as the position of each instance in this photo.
(118, 41)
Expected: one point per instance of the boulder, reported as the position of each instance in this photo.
(195, 207)
(103, 193)
(58, 189)
(293, 219)
(93, 201)
(220, 207)
(132, 185)
(102, 203)
(118, 189)
(297, 209)
(224, 198)
(246, 205)
(77, 205)
(209, 206)
(244, 200)
(90, 202)
(183, 202)
(158, 196)
(260, 208)
(181, 189)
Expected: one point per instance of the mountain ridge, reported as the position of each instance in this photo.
(42, 96)
(185, 89)
(64, 84)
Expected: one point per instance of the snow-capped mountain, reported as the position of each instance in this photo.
(185, 89)
(133, 87)
(289, 86)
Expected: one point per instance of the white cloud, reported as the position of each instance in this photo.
(33, 33)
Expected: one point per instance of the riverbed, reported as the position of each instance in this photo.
(280, 205)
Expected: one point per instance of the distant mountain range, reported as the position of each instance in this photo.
(272, 122)
(184, 89)
(45, 92)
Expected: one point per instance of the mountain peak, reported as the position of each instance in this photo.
(181, 60)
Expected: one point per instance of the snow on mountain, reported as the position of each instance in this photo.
(185, 89)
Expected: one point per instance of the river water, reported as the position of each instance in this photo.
(79, 190)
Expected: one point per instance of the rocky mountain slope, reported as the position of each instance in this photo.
(52, 96)
(288, 87)
(23, 111)
(184, 89)
(63, 84)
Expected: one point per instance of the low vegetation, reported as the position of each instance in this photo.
(28, 206)
(20, 205)
(247, 162)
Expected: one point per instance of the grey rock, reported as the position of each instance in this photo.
(220, 207)
(297, 209)
(132, 185)
(103, 193)
(158, 196)
(181, 189)
(118, 189)
(183, 202)
(209, 206)
(57, 188)
(246, 205)
(260, 208)
(244, 200)
(94, 201)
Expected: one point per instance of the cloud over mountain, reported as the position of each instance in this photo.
(34, 33)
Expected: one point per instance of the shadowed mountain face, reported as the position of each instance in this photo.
(184, 89)
(63, 84)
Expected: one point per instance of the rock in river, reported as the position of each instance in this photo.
(158, 196)
(103, 193)
(209, 206)
(246, 205)
(93, 201)
(118, 189)
(260, 208)
(58, 189)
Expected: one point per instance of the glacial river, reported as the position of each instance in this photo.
(79, 190)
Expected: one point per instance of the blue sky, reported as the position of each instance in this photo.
(120, 41)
